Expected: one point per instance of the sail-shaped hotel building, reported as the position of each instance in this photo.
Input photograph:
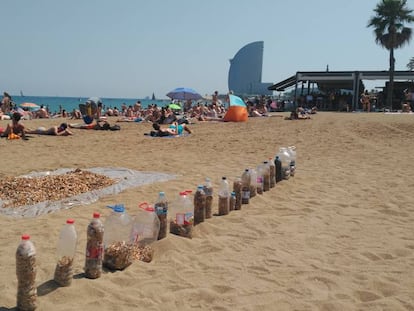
(245, 73)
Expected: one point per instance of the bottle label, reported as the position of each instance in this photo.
(259, 179)
(161, 209)
(245, 194)
(180, 218)
(189, 218)
(95, 251)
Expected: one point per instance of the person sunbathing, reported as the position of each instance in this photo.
(15, 128)
(61, 130)
(173, 130)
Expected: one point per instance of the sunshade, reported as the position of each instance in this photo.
(174, 106)
(184, 93)
(30, 106)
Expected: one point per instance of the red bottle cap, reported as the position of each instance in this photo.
(25, 237)
(96, 215)
(183, 192)
(149, 209)
(70, 221)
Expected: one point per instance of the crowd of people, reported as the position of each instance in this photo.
(177, 115)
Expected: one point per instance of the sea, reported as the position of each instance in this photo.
(55, 104)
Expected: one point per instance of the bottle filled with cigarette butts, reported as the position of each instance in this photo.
(181, 219)
(253, 178)
(272, 168)
(117, 246)
(278, 171)
(237, 189)
(26, 274)
(245, 178)
(146, 226)
(66, 249)
(208, 190)
(266, 176)
(199, 205)
(232, 202)
(94, 248)
(292, 152)
(161, 209)
(224, 197)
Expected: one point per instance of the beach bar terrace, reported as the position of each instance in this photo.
(339, 80)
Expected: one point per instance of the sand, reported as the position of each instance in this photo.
(337, 236)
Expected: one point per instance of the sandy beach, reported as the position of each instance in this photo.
(337, 236)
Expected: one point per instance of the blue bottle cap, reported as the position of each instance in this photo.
(119, 208)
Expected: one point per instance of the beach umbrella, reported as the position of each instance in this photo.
(30, 106)
(95, 99)
(184, 93)
(174, 106)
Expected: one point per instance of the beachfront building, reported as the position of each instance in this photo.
(341, 90)
(245, 73)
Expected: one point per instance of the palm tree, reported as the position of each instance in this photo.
(390, 31)
(410, 65)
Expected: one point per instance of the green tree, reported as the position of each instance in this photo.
(389, 23)
(410, 65)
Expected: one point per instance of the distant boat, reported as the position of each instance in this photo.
(21, 93)
(153, 96)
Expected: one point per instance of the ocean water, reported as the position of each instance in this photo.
(70, 103)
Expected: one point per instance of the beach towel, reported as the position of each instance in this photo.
(156, 134)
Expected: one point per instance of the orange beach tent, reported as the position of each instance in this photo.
(237, 110)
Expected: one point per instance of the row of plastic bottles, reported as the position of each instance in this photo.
(150, 224)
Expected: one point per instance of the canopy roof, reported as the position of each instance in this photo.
(338, 79)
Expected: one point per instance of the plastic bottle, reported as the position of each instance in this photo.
(259, 178)
(292, 152)
(182, 219)
(161, 209)
(199, 205)
(272, 168)
(94, 248)
(237, 189)
(232, 203)
(253, 182)
(266, 176)
(66, 250)
(284, 157)
(245, 178)
(26, 274)
(145, 226)
(224, 197)
(208, 190)
(278, 172)
(118, 227)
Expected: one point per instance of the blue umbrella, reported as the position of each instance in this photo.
(184, 93)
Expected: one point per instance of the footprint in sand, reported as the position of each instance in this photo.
(371, 256)
(322, 283)
(366, 296)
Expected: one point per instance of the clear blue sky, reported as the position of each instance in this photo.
(132, 48)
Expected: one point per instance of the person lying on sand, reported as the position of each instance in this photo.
(172, 130)
(297, 115)
(61, 130)
(98, 125)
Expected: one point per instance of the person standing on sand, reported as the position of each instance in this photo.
(6, 103)
(365, 101)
